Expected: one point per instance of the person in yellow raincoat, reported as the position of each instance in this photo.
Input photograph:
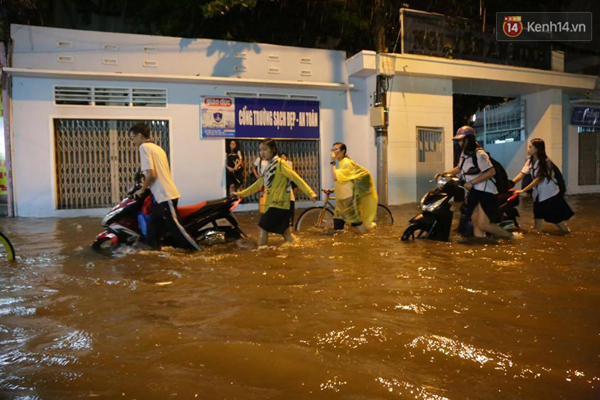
(355, 193)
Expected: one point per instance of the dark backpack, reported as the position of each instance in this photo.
(501, 177)
(559, 179)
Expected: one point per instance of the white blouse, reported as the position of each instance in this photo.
(546, 188)
(483, 162)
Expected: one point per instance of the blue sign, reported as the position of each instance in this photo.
(226, 117)
(586, 116)
(275, 118)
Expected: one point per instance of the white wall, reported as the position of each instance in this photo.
(415, 102)
(197, 165)
(38, 48)
(544, 120)
(356, 131)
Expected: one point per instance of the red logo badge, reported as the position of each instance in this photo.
(512, 26)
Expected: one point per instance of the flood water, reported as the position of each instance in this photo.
(334, 316)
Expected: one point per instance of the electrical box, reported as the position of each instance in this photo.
(377, 116)
(386, 65)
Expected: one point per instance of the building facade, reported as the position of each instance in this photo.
(74, 94)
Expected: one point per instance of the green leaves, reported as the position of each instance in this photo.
(220, 7)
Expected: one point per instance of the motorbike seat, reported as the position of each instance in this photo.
(217, 202)
(186, 211)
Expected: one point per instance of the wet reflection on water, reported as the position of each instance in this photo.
(330, 316)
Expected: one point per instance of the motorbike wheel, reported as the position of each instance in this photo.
(413, 232)
(104, 244)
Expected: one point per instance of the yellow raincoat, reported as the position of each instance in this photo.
(355, 194)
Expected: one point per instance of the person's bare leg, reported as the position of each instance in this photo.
(362, 228)
(485, 225)
(474, 218)
(263, 238)
(563, 227)
(287, 235)
(537, 225)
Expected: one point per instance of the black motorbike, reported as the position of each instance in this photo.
(126, 221)
(435, 222)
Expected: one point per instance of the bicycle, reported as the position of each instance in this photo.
(322, 216)
(10, 250)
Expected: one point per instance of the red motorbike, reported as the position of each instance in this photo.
(126, 222)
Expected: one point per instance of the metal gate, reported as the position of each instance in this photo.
(96, 161)
(304, 155)
(589, 156)
(430, 157)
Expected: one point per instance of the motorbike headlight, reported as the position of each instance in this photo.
(441, 181)
(432, 206)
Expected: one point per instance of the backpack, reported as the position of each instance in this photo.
(501, 177)
(559, 179)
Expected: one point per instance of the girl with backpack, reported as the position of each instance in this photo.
(548, 199)
(475, 167)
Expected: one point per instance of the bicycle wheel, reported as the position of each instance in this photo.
(384, 216)
(309, 218)
(10, 250)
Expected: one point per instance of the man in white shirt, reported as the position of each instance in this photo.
(155, 167)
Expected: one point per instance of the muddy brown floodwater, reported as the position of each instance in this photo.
(344, 316)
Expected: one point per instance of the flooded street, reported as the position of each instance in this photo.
(343, 316)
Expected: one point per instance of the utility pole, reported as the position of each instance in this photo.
(6, 111)
(381, 140)
(381, 132)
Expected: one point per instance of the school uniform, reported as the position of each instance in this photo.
(484, 193)
(548, 203)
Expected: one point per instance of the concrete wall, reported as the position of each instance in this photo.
(40, 48)
(544, 120)
(415, 102)
(197, 165)
(571, 153)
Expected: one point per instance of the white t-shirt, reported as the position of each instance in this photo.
(260, 165)
(483, 162)
(154, 158)
(545, 188)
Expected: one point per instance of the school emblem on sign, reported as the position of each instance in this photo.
(512, 26)
(218, 117)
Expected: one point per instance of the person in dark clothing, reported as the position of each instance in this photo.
(235, 167)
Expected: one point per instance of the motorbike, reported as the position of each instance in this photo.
(435, 221)
(126, 222)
